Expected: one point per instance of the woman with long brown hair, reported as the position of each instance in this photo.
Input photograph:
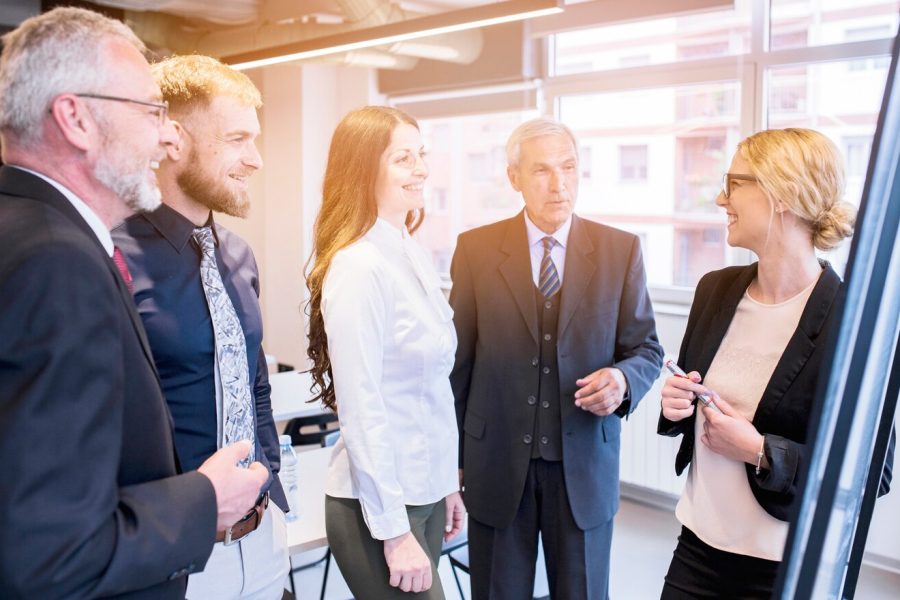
(382, 344)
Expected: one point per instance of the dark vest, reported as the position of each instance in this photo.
(547, 435)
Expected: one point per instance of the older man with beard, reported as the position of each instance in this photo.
(196, 287)
(94, 502)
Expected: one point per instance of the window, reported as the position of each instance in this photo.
(633, 163)
(654, 41)
(467, 184)
(659, 155)
(856, 152)
(822, 22)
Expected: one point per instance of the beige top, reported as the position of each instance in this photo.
(717, 503)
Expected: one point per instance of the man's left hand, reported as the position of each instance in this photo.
(602, 391)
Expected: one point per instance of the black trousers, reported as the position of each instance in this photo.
(502, 561)
(700, 571)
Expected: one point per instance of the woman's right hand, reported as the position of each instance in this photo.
(408, 564)
(678, 395)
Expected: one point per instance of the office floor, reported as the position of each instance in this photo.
(643, 541)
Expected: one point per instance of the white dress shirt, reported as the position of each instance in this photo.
(392, 344)
(86, 212)
(536, 247)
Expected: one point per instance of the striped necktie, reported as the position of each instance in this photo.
(231, 350)
(548, 282)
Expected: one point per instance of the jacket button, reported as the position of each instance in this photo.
(545, 439)
(546, 370)
(545, 404)
(531, 400)
(527, 438)
(547, 337)
(534, 362)
(548, 304)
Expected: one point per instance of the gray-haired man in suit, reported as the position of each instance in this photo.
(557, 342)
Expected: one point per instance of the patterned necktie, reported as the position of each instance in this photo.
(231, 350)
(119, 259)
(548, 282)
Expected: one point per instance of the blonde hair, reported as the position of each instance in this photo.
(348, 211)
(803, 170)
(192, 81)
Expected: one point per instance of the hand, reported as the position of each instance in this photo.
(602, 391)
(678, 395)
(408, 564)
(456, 514)
(729, 433)
(237, 489)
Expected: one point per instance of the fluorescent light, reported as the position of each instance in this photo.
(410, 29)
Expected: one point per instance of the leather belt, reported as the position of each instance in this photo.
(247, 524)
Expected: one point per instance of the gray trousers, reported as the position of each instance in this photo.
(360, 557)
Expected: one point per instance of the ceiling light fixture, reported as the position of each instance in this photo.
(410, 29)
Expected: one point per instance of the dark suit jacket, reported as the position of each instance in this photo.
(91, 498)
(165, 265)
(605, 320)
(784, 410)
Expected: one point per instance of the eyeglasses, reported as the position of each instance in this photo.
(160, 110)
(726, 182)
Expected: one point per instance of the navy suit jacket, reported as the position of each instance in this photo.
(92, 501)
(605, 320)
(165, 264)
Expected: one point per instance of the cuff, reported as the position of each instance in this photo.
(784, 460)
(386, 525)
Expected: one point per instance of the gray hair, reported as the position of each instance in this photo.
(533, 129)
(51, 54)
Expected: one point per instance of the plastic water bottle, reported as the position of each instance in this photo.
(288, 475)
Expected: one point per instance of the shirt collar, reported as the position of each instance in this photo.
(385, 233)
(535, 235)
(86, 212)
(175, 227)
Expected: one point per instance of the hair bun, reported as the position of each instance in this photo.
(834, 225)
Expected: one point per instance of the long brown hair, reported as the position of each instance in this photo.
(348, 211)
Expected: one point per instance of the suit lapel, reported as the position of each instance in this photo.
(16, 182)
(580, 268)
(802, 344)
(516, 271)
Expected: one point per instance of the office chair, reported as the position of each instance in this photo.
(312, 429)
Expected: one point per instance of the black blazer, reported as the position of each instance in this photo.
(605, 320)
(788, 400)
(92, 502)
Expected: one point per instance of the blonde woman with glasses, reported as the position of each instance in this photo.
(756, 338)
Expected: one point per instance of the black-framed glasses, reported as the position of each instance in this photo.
(161, 110)
(726, 181)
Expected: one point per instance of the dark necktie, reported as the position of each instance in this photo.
(119, 259)
(231, 349)
(548, 282)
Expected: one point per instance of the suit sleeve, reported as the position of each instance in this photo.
(462, 300)
(70, 530)
(638, 352)
(675, 428)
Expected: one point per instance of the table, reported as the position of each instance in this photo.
(307, 532)
(290, 391)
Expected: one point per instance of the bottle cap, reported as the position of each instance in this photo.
(284, 440)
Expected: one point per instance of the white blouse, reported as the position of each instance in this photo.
(718, 504)
(392, 344)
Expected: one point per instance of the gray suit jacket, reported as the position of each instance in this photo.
(605, 320)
